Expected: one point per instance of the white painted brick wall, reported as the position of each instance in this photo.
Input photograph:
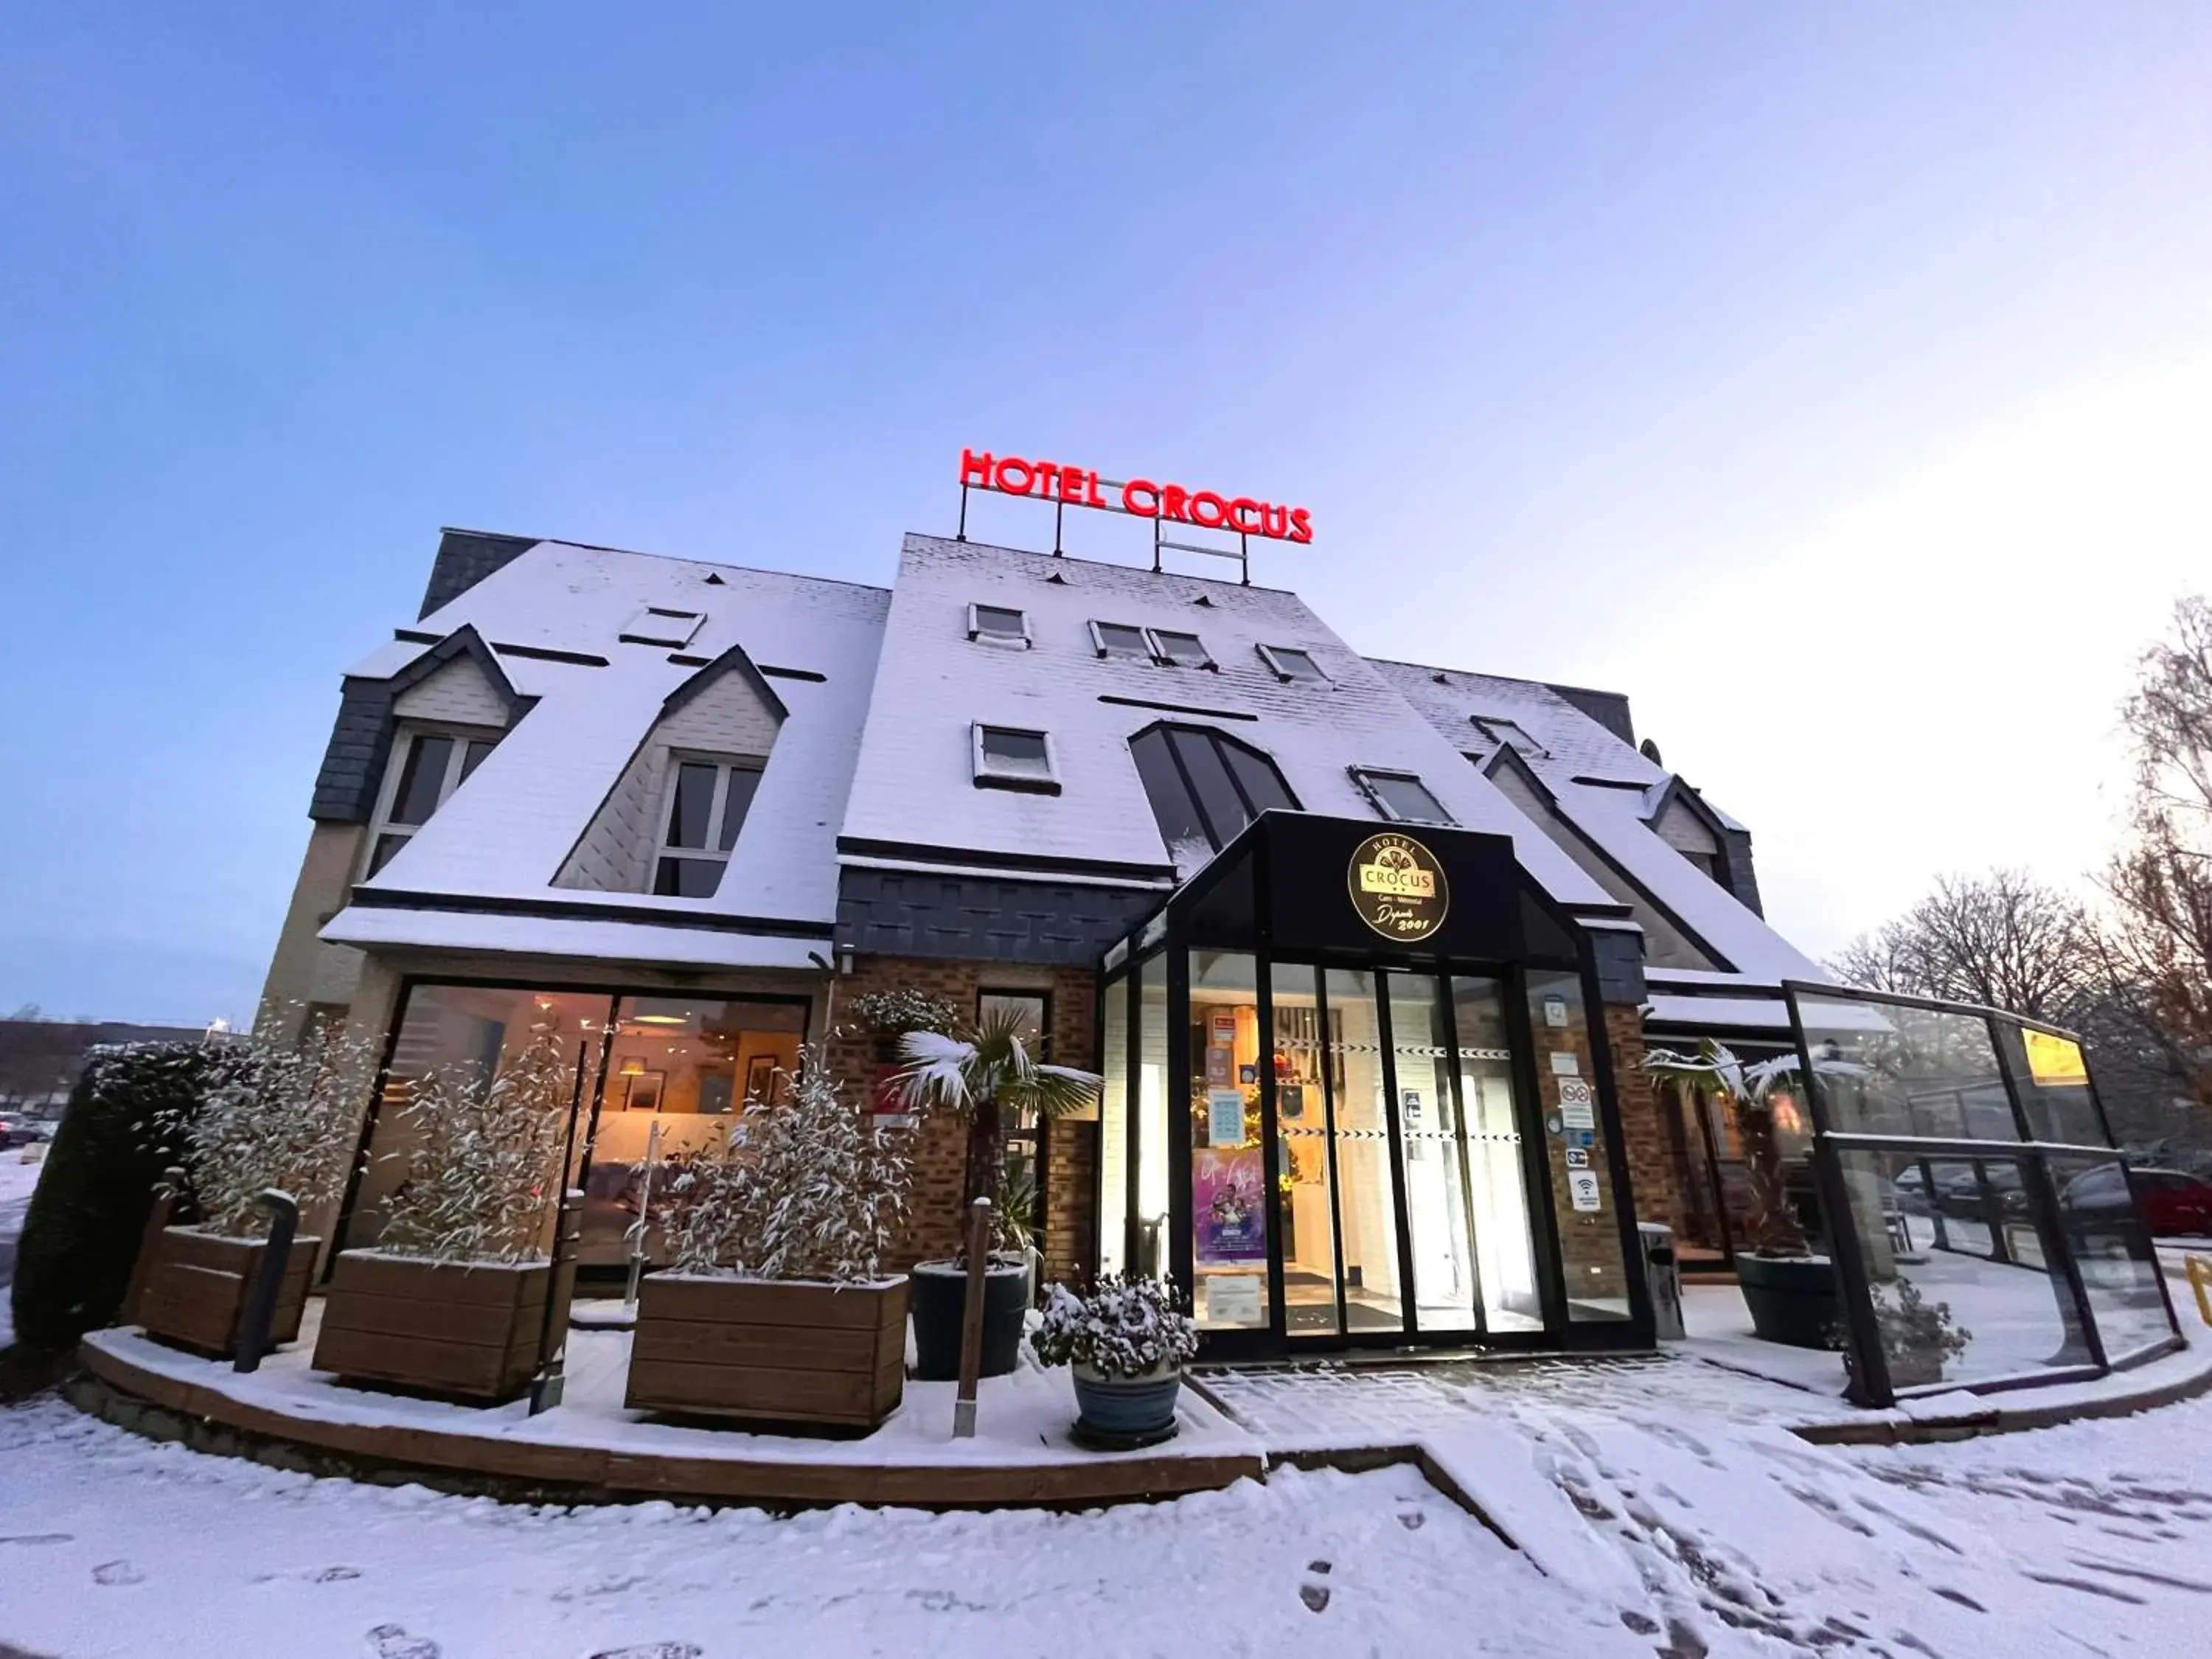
(1684, 831)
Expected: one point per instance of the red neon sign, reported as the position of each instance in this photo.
(1076, 486)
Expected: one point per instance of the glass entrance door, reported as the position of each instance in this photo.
(1401, 1196)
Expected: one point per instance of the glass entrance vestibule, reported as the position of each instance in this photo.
(1357, 1095)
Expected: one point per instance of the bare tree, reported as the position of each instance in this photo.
(2003, 940)
(2157, 946)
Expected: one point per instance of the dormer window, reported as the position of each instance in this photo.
(656, 626)
(998, 624)
(1400, 796)
(1204, 785)
(1180, 650)
(425, 768)
(1290, 663)
(707, 800)
(1501, 730)
(1120, 639)
(1009, 757)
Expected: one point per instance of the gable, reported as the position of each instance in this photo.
(457, 692)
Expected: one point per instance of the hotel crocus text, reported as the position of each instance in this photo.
(1076, 486)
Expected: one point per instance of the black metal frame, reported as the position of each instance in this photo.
(1242, 555)
(1872, 1383)
(1160, 936)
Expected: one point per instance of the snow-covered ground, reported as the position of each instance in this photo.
(1659, 1507)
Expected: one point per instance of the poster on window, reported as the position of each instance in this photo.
(1228, 1188)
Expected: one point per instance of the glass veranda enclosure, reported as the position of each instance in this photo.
(1983, 1223)
(1358, 1094)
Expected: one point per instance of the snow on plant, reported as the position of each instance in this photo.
(274, 1115)
(1126, 1327)
(483, 1164)
(805, 1187)
(891, 1013)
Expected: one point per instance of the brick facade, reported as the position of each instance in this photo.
(1651, 1166)
(1069, 1199)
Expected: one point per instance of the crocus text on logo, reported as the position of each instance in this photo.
(1398, 887)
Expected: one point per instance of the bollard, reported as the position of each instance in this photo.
(259, 1315)
(971, 1320)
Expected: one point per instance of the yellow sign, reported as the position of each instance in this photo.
(2054, 1061)
(1398, 888)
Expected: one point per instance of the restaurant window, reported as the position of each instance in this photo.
(1204, 785)
(1400, 796)
(1152, 1179)
(1230, 1192)
(426, 768)
(1576, 1159)
(998, 624)
(1008, 758)
(469, 1034)
(680, 1072)
(1289, 663)
(1114, 1131)
(706, 805)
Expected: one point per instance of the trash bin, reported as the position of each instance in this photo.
(1664, 1279)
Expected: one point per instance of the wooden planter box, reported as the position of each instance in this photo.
(772, 1352)
(193, 1288)
(470, 1330)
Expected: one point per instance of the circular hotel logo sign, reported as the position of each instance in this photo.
(1398, 888)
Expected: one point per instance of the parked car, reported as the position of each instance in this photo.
(2171, 1202)
(14, 1131)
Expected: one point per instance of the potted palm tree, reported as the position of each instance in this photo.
(1790, 1291)
(982, 1079)
(1126, 1344)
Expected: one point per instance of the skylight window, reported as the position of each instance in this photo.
(1401, 796)
(1204, 785)
(655, 626)
(1500, 729)
(1182, 650)
(998, 624)
(1009, 757)
(1290, 663)
(1120, 639)
(707, 800)
(425, 768)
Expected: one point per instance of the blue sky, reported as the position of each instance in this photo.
(1836, 380)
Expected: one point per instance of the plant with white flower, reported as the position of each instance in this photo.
(893, 1013)
(1125, 1328)
(274, 1115)
(483, 1163)
(806, 1188)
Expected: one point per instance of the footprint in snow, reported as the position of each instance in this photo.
(333, 1575)
(116, 1572)
(392, 1642)
(39, 1537)
(655, 1651)
(1314, 1592)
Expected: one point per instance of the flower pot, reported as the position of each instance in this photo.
(1792, 1298)
(1123, 1413)
(470, 1330)
(781, 1352)
(196, 1286)
(938, 1301)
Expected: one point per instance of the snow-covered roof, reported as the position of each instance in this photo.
(916, 789)
(555, 619)
(1608, 792)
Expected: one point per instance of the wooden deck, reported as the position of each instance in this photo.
(278, 1426)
